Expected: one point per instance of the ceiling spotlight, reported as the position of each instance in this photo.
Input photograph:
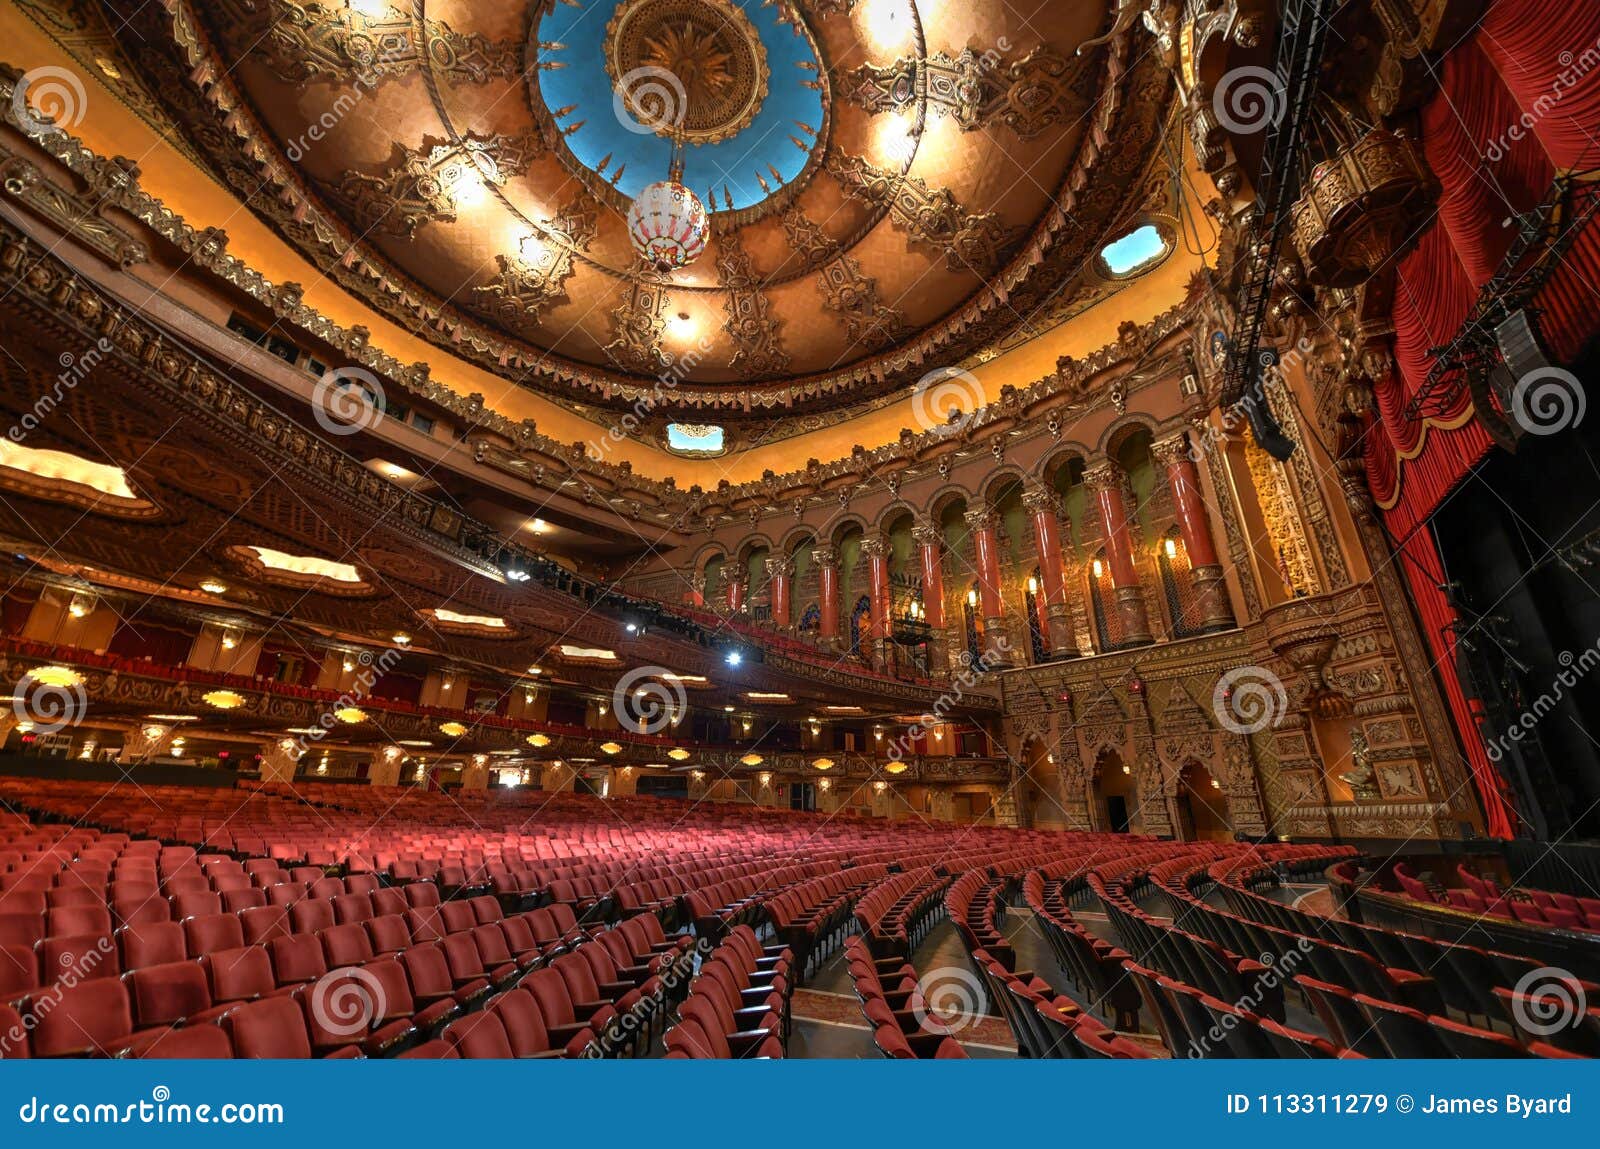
(734, 658)
(213, 586)
(401, 638)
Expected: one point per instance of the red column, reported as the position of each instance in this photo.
(1105, 481)
(735, 595)
(991, 601)
(876, 548)
(1183, 478)
(827, 560)
(931, 554)
(1056, 618)
(697, 590)
(779, 572)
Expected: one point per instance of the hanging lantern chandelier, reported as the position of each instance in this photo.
(667, 223)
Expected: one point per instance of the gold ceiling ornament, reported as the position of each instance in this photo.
(223, 699)
(452, 729)
(341, 42)
(978, 90)
(970, 240)
(751, 323)
(536, 275)
(431, 181)
(678, 754)
(690, 69)
(538, 741)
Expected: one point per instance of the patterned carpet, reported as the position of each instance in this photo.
(839, 1009)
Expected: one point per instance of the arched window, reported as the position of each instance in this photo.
(860, 617)
(1103, 600)
(1177, 584)
(1034, 605)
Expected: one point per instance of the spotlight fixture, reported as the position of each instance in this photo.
(734, 658)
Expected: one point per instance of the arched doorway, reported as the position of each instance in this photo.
(1116, 795)
(1201, 807)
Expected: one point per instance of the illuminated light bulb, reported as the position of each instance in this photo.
(1099, 568)
(1033, 585)
(468, 188)
(678, 754)
(1127, 769)
(1172, 548)
(401, 638)
(347, 665)
(533, 252)
(610, 748)
(539, 740)
(972, 598)
(214, 586)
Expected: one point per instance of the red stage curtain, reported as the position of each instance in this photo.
(1420, 561)
(1518, 101)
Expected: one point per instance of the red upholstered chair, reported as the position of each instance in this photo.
(273, 1028)
(88, 1020)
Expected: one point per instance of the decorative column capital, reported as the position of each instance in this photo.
(1036, 499)
(875, 547)
(927, 535)
(780, 567)
(1104, 475)
(1171, 450)
(979, 518)
(825, 556)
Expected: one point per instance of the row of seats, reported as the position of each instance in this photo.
(903, 1025)
(738, 1004)
(895, 915)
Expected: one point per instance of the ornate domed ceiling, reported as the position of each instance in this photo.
(894, 185)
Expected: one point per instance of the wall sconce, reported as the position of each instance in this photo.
(752, 760)
(678, 754)
(230, 639)
(480, 759)
(880, 786)
(603, 710)
(214, 586)
(1033, 585)
(1098, 568)
(80, 605)
(938, 735)
(539, 741)
(825, 785)
(823, 763)
(391, 752)
(765, 779)
(1127, 769)
(698, 775)
(610, 748)
(972, 598)
(401, 638)
(1171, 546)
(347, 665)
